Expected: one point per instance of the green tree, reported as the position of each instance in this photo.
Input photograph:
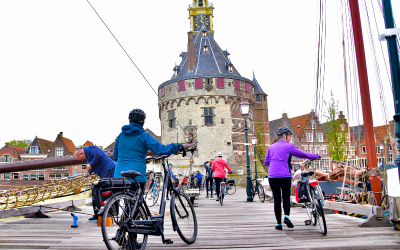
(335, 133)
(20, 143)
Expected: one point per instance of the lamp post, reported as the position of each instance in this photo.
(254, 142)
(244, 109)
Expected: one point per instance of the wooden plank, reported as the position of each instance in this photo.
(354, 208)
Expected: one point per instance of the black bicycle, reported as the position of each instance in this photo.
(132, 221)
(257, 188)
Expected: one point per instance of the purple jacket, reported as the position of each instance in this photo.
(279, 156)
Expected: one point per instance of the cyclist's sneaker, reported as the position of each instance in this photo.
(217, 199)
(278, 227)
(288, 223)
(207, 196)
(93, 218)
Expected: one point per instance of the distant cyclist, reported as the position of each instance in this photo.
(209, 177)
(218, 166)
(278, 158)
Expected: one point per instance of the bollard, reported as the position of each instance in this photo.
(75, 220)
(109, 221)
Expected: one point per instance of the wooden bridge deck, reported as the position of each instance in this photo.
(236, 225)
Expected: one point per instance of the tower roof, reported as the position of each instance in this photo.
(257, 87)
(207, 64)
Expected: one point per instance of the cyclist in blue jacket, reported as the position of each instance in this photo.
(278, 158)
(132, 144)
(199, 178)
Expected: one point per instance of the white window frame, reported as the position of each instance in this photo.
(41, 175)
(59, 151)
(17, 175)
(309, 137)
(351, 150)
(55, 176)
(84, 167)
(25, 176)
(313, 124)
(339, 135)
(346, 137)
(59, 168)
(323, 150)
(315, 149)
(390, 160)
(33, 176)
(320, 137)
(36, 148)
(342, 127)
(364, 150)
(378, 149)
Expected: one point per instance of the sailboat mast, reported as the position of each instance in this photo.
(364, 86)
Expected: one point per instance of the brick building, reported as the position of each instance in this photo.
(10, 154)
(200, 103)
(311, 136)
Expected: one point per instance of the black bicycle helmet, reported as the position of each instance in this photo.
(283, 130)
(137, 116)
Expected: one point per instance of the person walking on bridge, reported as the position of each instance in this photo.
(278, 158)
(218, 166)
(209, 177)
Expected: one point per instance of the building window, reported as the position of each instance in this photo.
(320, 137)
(313, 124)
(351, 151)
(15, 176)
(258, 98)
(34, 150)
(208, 116)
(378, 149)
(250, 115)
(55, 176)
(84, 167)
(25, 176)
(6, 158)
(6, 176)
(315, 149)
(59, 168)
(305, 148)
(342, 127)
(347, 137)
(204, 33)
(363, 162)
(171, 118)
(364, 149)
(66, 175)
(222, 121)
(230, 68)
(323, 150)
(390, 147)
(339, 136)
(41, 176)
(309, 137)
(390, 158)
(190, 121)
(33, 176)
(59, 152)
(323, 164)
(205, 49)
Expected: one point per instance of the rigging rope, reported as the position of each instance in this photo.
(176, 120)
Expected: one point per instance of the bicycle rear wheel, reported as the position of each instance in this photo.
(261, 193)
(321, 217)
(119, 208)
(152, 195)
(183, 217)
(221, 198)
(231, 188)
(201, 188)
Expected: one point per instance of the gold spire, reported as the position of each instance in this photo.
(201, 11)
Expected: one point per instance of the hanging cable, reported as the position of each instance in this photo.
(129, 57)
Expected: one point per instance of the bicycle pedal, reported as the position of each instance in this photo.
(168, 241)
(307, 222)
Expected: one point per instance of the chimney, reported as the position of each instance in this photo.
(190, 49)
(61, 134)
(6, 144)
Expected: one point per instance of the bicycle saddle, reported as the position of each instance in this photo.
(307, 173)
(130, 174)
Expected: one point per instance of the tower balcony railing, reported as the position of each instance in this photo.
(200, 4)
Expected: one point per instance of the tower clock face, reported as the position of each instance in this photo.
(198, 22)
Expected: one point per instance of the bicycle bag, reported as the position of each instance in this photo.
(114, 183)
(231, 182)
(301, 193)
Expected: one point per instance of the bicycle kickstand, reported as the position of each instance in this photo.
(165, 241)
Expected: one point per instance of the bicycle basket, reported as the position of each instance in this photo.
(231, 182)
(301, 193)
(113, 183)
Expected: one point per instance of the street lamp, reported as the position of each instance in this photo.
(254, 142)
(244, 109)
(381, 146)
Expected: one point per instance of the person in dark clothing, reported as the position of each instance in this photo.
(100, 164)
(132, 144)
(209, 177)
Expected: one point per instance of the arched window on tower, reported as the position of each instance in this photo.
(204, 33)
(205, 49)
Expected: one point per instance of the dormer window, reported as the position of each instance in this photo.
(34, 150)
(230, 68)
(204, 33)
(205, 49)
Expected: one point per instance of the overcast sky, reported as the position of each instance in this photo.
(62, 71)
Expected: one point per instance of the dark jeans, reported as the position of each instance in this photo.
(217, 184)
(209, 183)
(281, 187)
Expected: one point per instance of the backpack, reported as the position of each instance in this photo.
(301, 194)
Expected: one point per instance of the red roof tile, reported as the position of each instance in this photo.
(381, 132)
(87, 144)
(302, 120)
(18, 150)
(70, 145)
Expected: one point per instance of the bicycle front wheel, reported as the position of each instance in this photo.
(118, 210)
(221, 198)
(231, 188)
(261, 193)
(310, 207)
(183, 217)
(321, 217)
(152, 196)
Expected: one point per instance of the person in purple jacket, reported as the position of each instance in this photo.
(278, 158)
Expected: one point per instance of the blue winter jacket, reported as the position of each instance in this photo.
(199, 176)
(279, 157)
(98, 160)
(131, 148)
